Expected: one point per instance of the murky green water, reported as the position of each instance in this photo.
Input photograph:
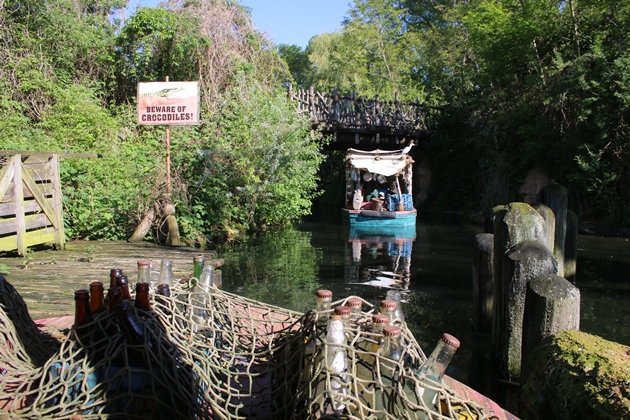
(286, 268)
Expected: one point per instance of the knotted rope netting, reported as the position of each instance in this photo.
(206, 355)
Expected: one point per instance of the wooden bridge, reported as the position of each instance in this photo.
(365, 123)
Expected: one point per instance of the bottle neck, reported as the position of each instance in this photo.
(144, 274)
(392, 347)
(82, 313)
(436, 364)
(198, 266)
(97, 303)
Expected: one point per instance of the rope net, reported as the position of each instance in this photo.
(208, 355)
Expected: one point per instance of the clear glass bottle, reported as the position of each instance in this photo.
(388, 308)
(435, 367)
(378, 322)
(392, 345)
(390, 354)
(206, 278)
(355, 304)
(396, 296)
(345, 312)
(322, 305)
(166, 273)
(144, 272)
(337, 362)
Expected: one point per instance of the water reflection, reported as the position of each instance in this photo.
(380, 258)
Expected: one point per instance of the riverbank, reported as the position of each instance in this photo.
(47, 278)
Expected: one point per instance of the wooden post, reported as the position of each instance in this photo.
(168, 158)
(18, 194)
(482, 282)
(60, 235)
(555, 196)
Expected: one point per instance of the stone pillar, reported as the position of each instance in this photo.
(555, 196)
(550, 223)
(522, 263)
(483, 282)
(552, 305)
(513, 223)
(571, 246)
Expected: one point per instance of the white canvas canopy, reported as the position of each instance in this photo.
(383, 162)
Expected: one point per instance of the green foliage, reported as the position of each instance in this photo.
(299, 64)
(260, 170)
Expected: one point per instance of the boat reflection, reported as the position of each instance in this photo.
(380, 257)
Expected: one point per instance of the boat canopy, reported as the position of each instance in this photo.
(383, 162)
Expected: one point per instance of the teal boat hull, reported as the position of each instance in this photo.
(381, 223)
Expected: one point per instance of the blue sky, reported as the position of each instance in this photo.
(287, 21)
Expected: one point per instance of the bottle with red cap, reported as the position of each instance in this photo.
(323, 302)
(344, 313)
(389, 355)
(435, 367)
(388, 308)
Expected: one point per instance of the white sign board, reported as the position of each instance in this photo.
(168, 103)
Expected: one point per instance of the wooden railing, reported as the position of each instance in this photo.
(334, 113)
(30, 201)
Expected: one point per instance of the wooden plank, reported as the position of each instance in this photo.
(30, 206)
(18, 192)
(47, 189)
(57, 202)
(8, 243)
(31, 221)
(30, 183)
(6, 176)
(40, 236)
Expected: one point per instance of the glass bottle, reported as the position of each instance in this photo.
(435, 367)
(144, 271)
(205, 278)
(113, 276)
(82, 313)
(123, 282)
(344, 313)
(390, 353)
(322, 305)
(166, 273)
(164, 290)
(97, 299)
(198, 265)
(142, 296)
(114, 298)
(388, 308)
(336, 362)
(378, 322)
(396, 296)
(355, 304)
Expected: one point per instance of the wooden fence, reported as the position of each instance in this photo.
(30, 202)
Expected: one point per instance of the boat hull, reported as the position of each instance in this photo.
(373, 219)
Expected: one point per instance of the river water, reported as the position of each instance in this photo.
(285, 268)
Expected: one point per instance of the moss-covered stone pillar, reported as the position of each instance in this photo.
(552, 304)
(513, 223)
(575, 375)
(555, 196)
(482, 282)
(523, 263)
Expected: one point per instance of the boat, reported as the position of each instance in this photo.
(240, 359)
(379, 188)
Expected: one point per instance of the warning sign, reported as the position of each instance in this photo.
(168, 103)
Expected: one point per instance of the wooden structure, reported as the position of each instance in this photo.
(354, 121)
(31, 211)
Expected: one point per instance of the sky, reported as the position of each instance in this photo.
(287, 21)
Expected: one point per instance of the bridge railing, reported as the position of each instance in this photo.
(333, 112)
